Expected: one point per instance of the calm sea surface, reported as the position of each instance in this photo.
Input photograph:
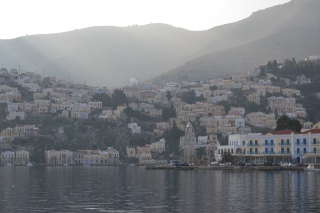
(133, 189)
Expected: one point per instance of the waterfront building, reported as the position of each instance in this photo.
(21, 157)
(131, 151)
(278, 146)
(236, 146)
(159, 146)
(7, 157)
(144, 154)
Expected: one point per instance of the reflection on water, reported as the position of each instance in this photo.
(133, 189)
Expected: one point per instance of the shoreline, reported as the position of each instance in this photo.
(234, 168)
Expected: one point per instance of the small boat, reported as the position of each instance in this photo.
(311, 168)
(29, 164)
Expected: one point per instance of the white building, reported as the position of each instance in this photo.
(135, 129)
(159, 146)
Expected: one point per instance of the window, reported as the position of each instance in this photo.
(256, 142)
(266, 150)
(288, 150)
(271, 142)
(243, 143)
(298, 150)
(288, 141)
(314, 141)
(282, 150)
(256, 150)
(304, 141)
(250, 150)
(250, 142)
(304, 150)
(271, 150)
(314, 150)
(298, 141)
(282, 141)
(266, 142)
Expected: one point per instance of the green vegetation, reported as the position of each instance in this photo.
(191, 98)
(37, 146)
(290, 69)
(285, 123)
(136, 114)
(104, 98)
(227, 157)
(3, 109)
(118, 98)
(26, 95)
(310, 101)
(169, 95)
(168, 113)
(172, 137)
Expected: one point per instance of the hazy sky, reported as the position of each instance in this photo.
(21, 17)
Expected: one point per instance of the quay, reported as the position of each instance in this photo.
(234, 168)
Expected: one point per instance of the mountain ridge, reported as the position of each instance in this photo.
(296, 34)
(110, 56)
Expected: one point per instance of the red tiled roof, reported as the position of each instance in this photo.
(312, 131)
(282, 132)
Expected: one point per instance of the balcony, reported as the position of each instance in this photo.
(284, 153)
(285, 144)
(268, 153)
(253, 153)
(301, 152)
(313, 152)
(268, 144)
(301, 143)
(253, 144)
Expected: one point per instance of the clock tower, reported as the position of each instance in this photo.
(188, 144)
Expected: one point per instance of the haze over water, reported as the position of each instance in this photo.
(133, 189)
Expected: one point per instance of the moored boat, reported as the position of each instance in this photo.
(311, 168)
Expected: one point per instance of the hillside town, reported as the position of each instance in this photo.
(197, 122)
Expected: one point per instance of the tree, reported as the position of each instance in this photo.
(136, 114)
(200, 153)
(119, 98)
(17, 119)
(212, 88)
(176, 133)
(262, 73)
(104, 98)
(191, 98)
(169, 95)
(168, 113)
(225, 104)
(227, 157)
(285, 123)
(172, 137)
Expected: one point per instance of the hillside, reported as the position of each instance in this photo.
(110, 56)
(280, 32)
(105, 56)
